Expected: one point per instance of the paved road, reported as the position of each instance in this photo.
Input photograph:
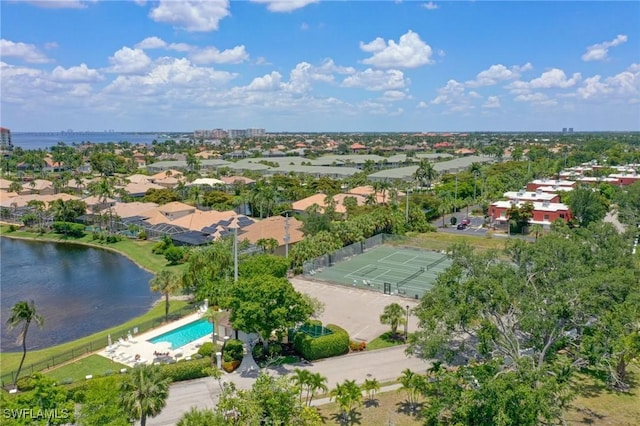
(384, 365)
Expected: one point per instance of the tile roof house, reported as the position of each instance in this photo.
(38, 186)
(320, 200)
(274, 227)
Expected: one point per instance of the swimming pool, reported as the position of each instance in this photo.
(185, 334)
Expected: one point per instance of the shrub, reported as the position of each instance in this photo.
(233, 350)
(275, 349)
(208, 349)
(174, 255)
(179, 371)
(142, 235)
(13, 228)
(230, 366)
(327, 346)
(357, 346)
(257, 352)
(69, 228)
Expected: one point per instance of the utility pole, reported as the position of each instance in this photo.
(235, 254)
(287, 237)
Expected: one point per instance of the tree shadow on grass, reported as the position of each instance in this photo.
(410, 408)
(351, 418)
(374, 402)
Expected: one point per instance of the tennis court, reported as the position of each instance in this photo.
(392, 270)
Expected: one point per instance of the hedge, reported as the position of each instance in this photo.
(327, 346)
(186, 370)
(208, 349)
(233, 350)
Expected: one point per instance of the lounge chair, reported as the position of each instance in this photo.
(123, 342)
(131, 339)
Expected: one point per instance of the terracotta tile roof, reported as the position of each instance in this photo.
(135, 208)
(273, 227)
(229, 180)
(175, 207)
(22, 200)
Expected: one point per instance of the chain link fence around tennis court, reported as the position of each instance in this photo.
(326, 260)
(94, 345)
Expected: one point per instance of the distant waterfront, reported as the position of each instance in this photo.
(79, 290)
(36, 140)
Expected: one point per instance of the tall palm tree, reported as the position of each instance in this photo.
(166, 282)
(371, 386)
(316, 382)
(144, 393)
(22, 313)
(393, 315)
(300, 379)
(425, 173)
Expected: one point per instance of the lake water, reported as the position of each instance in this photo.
(79, 290)
(27, 140)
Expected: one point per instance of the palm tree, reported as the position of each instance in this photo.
(393, 315)
(371, 386)
(316, 382)
(425, 173)
(414, 385)
(166, 282)
(300, 379)
(348, 395)
(23, 313)
(144, 393)
(214, 318)
(536, 229)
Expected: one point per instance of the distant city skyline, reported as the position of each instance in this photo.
(320, 66)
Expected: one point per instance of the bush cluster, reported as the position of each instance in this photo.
(327, 346)
(69, 228)
(357, 346)
(233, 351)
(186, 370)
(207, 349)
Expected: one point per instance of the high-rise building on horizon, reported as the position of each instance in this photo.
(5, 139)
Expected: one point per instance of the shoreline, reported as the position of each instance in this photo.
(91, 245)
(79, 243)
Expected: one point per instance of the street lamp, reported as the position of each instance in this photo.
(406, 325)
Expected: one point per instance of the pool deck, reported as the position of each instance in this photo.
(126, 352)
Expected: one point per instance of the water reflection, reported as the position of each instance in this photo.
(79, 290)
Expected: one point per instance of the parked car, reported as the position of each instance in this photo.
(461, 226)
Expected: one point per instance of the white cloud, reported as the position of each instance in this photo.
(79, 74)
(376, 80)
(26, 52)
(536, 99)
(129, 61)
(497, 73)
(422, 105)
(304, 74)
(211, 55)
(492, 102)
(191, 15)
(450, 93)
(430, 6)
(59, 4)
(51, 45)
(266, 83)
(151, 43)
(285, 5)
(409, 52)
(599, 51)
(624, 85)
(304, 26)
(393, 96)
(554, 78)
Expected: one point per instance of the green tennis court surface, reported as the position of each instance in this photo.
(392, 270)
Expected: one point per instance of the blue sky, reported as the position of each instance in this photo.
(305, 65)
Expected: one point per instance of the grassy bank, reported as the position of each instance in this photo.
(10, 361)
(139, 251)
(444, 240)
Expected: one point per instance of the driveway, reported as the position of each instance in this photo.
(384, 365)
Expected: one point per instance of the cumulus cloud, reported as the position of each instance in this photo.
(211, 55)
(409, 52)
(304, 74)
(157, 43)
(393, 96)
(376, 80)
(555, 78)
(450, 93)
(599, 51)
(129, 61)
(422, 105)
(492, 102)
(266, 83)
(285, 5)
(536, 99)
(26, 52)
(191, 15)
(622, 85)
(497, 73)
(79, 74)
(430, 6)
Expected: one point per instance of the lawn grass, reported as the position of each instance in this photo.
(443, 241)
(597, 404)
(383, 341)
(10, 361)
(94, 365)
(389, 410)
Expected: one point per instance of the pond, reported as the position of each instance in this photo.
(79, 290)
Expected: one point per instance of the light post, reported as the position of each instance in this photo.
(475, 180)
(406, 325)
